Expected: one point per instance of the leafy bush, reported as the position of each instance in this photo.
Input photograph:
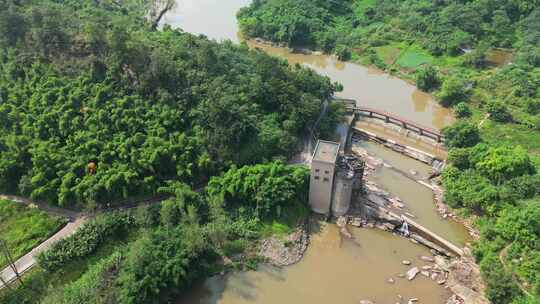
(461, 135)
(261, 189)
(85, 240)
(92, 287)
(500, 286)
(462, 110)
(504, 163)
(343, 52)
(460, 158)
(498, 112)
(471, 190)
(427, 78)
(477, 58)
(522, 187)
(163, 264)
(453, 91)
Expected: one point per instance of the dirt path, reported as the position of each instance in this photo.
(55, 211)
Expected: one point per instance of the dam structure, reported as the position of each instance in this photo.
(335, 179)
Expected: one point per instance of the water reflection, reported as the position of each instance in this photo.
(371, 87)
(212, 18)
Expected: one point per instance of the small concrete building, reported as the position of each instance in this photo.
(335, 178)
(321, 183)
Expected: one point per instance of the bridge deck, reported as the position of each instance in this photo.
(352, 106)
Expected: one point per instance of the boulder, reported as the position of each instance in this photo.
(411, 274)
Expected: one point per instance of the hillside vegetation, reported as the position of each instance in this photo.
(95, 107)
(480, 57)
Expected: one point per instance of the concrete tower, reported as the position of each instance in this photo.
(321, 183)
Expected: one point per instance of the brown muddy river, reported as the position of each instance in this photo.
(417, 198)
(334, 270)
(371, 87)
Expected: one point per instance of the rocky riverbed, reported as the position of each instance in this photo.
(286, 250)
(460, 274)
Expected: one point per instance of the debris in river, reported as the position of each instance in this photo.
(427, 259)
(411, 274)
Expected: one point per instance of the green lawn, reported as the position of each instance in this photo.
(388, 53)
(23, 228)
(414, 57)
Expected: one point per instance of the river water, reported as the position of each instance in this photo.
(332, 271)
(336, 270)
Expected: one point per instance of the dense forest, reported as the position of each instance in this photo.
(482, 59)
(96, 107)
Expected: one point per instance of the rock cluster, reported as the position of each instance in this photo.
(285, 251)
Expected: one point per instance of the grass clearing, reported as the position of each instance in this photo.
(388, 53)
(23, 228)
(414, 57)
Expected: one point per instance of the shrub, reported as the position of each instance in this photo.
(459, 158)
(504, 163)
(164, 263)
(461, 134)
(343, 52)
(85, 240)
(91, 287)
(462, 110)
(532, 106)
(469, 189)
(522, 187)
(261, 189)
(453, 91)
(427, 78)
(500, 287)
(498, 112)
(477, 58)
